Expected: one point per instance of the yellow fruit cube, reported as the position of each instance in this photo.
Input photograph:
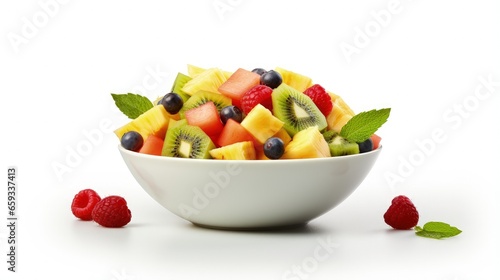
(237, 151)
(283, 135)
(336, 99)
(261, 123)
(208, 80)
(337, 118)
(307, 143)
(295, 80)
(152, 122)
(194, 71)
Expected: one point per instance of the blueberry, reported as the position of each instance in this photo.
(132, 141)
(365, 146)
(231, 112)
(271, 79)
(259, 71)
(172, 103)
(274, 148)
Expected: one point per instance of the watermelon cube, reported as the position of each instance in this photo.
(152, 145)
(232, 133)
(376, 141)
(206, 117)
(238, 84)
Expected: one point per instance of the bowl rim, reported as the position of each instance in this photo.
(270, 162)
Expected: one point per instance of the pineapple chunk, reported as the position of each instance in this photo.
(194, 71)
(240, 150)
(307, 143)
(295, 80)
(208, 80)
(337, 118)
(340, 114)
(261, 123)
(336, 99)
(260, 154)
(283, 135)
(152, 122)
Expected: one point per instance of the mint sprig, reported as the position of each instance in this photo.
(363, 125)
(132, 105)
(437, 230)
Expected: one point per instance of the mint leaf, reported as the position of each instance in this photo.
(365, 124)
(132, 105)
(437, 230)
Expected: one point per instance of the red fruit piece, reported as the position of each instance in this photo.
(207, 117)
(259, 94)
(402, 214)
(376, 141)
(232, 133)
(238, 84)
(152, 146)
(321, 98)
(112, 211)
(83, 204)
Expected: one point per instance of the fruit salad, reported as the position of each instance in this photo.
(254, 114)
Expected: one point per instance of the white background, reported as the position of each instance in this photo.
(425, 61)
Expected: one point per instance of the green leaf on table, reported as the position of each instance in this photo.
(363, 125)
(132, 105)
(437, 230)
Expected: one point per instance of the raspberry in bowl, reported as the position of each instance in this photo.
(292, 152)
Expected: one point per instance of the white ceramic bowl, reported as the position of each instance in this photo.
(249, 194)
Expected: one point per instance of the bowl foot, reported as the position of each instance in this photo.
(265, 228)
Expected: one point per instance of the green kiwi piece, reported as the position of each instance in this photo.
(187, 141)
(180, 81)
(339, 146)
(178, 123)
(202, 97)
(296, 110)
(329, 135)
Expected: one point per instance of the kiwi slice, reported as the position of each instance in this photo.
(187, 141)
(328, 135)
(339, 146)
(202, 97)
(296, 110)
(179, 82)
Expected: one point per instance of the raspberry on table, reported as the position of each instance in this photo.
(83, 203)
(259, 94)
(112, 211)
(321, 98)
(402, 214)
